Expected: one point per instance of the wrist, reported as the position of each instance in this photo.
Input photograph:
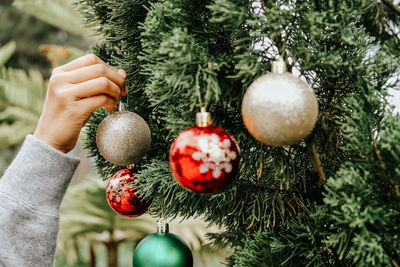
(50, 141)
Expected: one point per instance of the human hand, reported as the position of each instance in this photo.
(76, 90)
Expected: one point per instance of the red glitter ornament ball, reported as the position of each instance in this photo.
(121, 195)
(204, 159)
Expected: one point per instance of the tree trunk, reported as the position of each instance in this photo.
(112, 248)
(92, 256)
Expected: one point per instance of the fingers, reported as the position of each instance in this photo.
(94, 87)
(86, 60)
(95, 71)
(95, 102)
(88, 76)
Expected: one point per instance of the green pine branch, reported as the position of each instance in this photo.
(330, 201)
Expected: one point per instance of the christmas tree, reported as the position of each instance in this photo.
(331, 199)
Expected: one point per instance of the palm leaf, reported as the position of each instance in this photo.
(22, 96)
(22, 89)
(15, 113)
(59, 13)
(11, 134)
(6, 51)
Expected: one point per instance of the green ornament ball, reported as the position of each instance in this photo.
(162, 250)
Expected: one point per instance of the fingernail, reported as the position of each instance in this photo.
(122, 73)
(124, 90)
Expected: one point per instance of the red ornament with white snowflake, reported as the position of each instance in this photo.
(122, 197)
(204, 158)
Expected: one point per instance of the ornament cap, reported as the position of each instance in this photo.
(279, 66)
(162, 227)
(203, 118)
(121, 106)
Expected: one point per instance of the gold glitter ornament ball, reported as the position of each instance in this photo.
(279, 109)
(123, 138)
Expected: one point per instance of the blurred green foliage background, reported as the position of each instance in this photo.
(30, 33)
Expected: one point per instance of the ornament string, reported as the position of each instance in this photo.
(283, 52)
(162, 208)
(198, 89)
(127, 99)
(121, 106)
(162, 225)
(198, 92)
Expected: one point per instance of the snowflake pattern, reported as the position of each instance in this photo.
(216, 155)
(117, 187)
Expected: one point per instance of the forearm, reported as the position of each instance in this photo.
(31, 191)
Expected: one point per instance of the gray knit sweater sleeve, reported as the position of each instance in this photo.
(31, 191)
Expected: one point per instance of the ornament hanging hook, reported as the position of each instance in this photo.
(121, 106)
(283, 52)
(162, 225)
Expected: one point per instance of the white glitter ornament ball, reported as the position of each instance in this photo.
(123, 138)
(279, 109)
